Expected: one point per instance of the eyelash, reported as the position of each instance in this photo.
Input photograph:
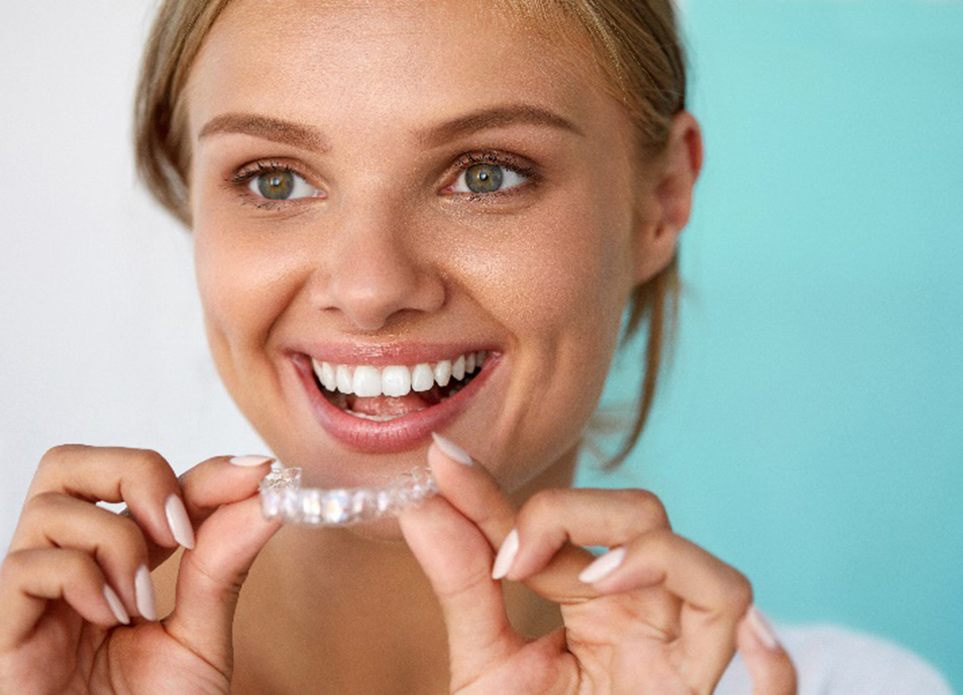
(242, 178)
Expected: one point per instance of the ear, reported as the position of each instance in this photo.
(666, 201)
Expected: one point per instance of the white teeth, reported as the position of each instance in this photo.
(344, 379)
(328, 377)
(366, 381)
(325, 374)
(443, 372)
(395, 381)
(422, 378)
(458, 368)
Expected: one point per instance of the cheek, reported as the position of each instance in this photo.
(241, 279)
(551, 271)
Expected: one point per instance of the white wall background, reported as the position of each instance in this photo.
(102, 335)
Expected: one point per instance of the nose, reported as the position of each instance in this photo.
(373, 274)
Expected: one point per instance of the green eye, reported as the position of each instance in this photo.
(483, 178)
(276, 185)
(489, 177)
(281, 184)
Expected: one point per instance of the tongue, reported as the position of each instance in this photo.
(388, 405)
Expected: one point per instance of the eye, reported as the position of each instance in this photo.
(280, 184)
(488, 177)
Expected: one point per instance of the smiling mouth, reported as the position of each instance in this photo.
(388, 393)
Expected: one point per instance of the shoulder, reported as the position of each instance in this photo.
(832, 660)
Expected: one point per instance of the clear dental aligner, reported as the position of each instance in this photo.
(283, 497)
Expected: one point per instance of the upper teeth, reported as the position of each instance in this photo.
(396, 380)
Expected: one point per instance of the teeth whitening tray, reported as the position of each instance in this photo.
(283, 497)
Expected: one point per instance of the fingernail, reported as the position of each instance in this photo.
(506, 555)
(452, 450)
(115, 605)
(179, 524)
(144, 593)
(762, 629)
(602, 566)
(250, 460)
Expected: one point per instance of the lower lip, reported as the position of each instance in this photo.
(402, 433)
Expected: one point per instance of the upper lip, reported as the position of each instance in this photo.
(387, 354)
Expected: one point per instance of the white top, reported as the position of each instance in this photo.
(831, 660)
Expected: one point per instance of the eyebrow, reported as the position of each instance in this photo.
(309, 137)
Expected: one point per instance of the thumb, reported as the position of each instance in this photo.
(768, 663)
(211, 574)
(457, 561)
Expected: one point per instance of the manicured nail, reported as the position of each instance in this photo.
(250, 460)
(144, 593)
(179, 524)
(115, 605)
(452, 450)
(762, 629)
(506, 555)
(603, 566)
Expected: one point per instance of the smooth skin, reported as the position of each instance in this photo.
(385, 246)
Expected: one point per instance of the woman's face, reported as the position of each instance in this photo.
(399, 184)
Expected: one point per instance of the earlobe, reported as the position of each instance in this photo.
(669, 201)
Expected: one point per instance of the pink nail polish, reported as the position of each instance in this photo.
(452, 450)
(179, 522)
(116, 607)
(250, 460)
(762, 629)
(506, 555)
(602, 566)
(144, 593)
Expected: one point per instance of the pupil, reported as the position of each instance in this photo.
(276, 185)
(483, 178)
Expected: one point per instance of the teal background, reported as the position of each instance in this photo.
(809, 429)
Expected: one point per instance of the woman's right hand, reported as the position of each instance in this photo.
(70, 559)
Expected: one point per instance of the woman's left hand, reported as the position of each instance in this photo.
(656, 614)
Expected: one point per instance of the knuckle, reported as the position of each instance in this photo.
(127, 536)
(648, 504)
(150, 464)
(78, 563)
(39, 509)
(545, 503)
(58, 455)
(149, 459)
(58, 452)
(659, 539)
(70, 562)
(44, 503)
(740, 592)
(12, 566)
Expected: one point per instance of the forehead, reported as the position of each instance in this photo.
(388, 62)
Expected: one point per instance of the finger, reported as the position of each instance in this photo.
(554, 518)
(472, 490)
(141, 478)
(715, 596)
(551, 518)
(29, 579)
(117, 544)
(229, 538)
(768, 663)
(456, 558)
(221, 480)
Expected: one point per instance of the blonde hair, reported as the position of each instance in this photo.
(635, 43)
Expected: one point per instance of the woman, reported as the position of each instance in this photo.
(382, 186)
